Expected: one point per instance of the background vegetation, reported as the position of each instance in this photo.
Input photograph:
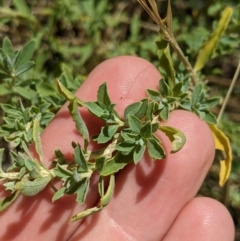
(73, 36)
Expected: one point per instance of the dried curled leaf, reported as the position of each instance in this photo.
(176, 137)
(222, 144)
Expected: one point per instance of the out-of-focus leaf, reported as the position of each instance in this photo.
(165, 61)
(209, 47)
(25, 55)
(22, 6)
(7, 47)
(222, 144)
(25, 67)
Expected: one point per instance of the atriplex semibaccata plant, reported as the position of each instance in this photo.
(126, 139)
(165, 32)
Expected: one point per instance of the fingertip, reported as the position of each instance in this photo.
(202, 219)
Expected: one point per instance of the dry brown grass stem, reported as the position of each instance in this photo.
(234, 80)
(165, 30)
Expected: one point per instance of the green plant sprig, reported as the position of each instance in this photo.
(126, 140)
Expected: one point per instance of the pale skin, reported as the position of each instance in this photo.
(152, 201)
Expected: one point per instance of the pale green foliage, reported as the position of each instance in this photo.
(107, 32)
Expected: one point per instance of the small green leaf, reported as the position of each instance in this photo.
(150, 111)
(102, 96)
(138, 153)
(197, 94)
(125, 146)
(67, 94)
(31, 165)
(79, 158)
(210, 118)
(85, 213)
(135, 124)
(94, 108)
(61, 172)
(132, 109)
(10, 186)
(211, 102)
(37, 139)
(155, 150)
(142, 110)
(60, 193)
(31, 188)
(165, 60)
(146, 130)
(100, 163)
(176, 137)
(104, 201)
(82, 190)
(177, 89)
(7, 64)
(201, 114)
(1, 159)
(25, 55)
(7, 201)
(25, 67)
(14, 58)
(164, 112)
(154, 95)
(107, 132)
(118, 162)
(101, 186)
(7, 47)
(186, 105)
(164, 88)
(76, 115)
(129, 136)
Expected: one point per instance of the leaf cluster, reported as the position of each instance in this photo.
(12, 65)
(18, 122)
(200, 105)
(126, 139)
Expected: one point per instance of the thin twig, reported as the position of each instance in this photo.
(229, 93)
(151, 8)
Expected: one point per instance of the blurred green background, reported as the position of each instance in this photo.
(79, 34)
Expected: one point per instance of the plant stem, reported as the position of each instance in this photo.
(151, 8)
(228, 93)
(180, 54)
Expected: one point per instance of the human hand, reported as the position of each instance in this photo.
(152, 200)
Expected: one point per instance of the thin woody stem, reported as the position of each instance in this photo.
(151, 8)
(180, 54)
(229, 93)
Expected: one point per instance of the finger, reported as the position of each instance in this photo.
(203, 219)
(37, 217)
(149, 196)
